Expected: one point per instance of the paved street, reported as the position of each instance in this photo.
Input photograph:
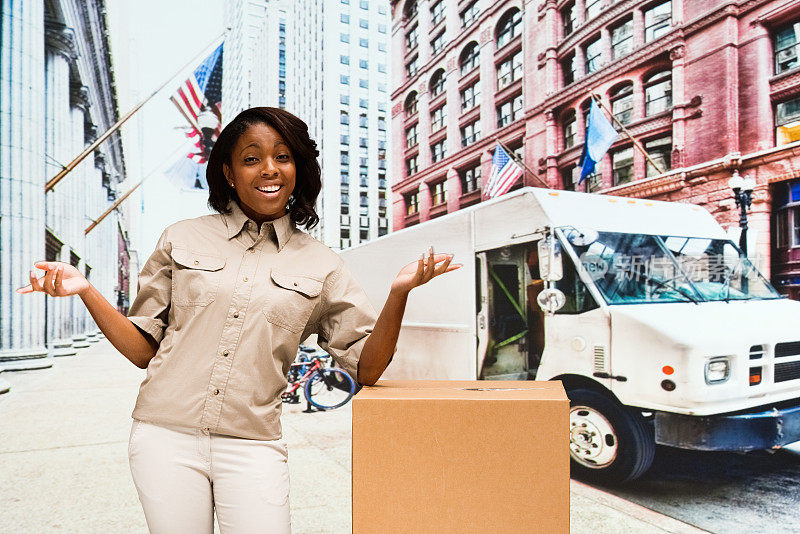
(64, 465)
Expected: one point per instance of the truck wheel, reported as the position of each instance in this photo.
(608, 442)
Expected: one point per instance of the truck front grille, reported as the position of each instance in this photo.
(791, 348)
(787, 371)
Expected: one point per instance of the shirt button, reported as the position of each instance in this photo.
(252, 251)
(206, 429)
(225, 353)
(216, 392)
(196, 262)
(236, 315)
(295, 284)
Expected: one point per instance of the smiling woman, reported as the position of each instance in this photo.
(221, 308)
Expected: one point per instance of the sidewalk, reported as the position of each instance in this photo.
(63, 455)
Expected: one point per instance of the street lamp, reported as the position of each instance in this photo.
(742, 193)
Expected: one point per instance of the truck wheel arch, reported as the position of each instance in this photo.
(583, 382)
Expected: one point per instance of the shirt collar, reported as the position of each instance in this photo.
(236, 219)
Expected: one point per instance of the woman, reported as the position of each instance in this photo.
(222, 306)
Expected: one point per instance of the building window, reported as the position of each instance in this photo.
(437, 45)
(381, 47)
(363, 83)
(363, 103)
(437, 12)
(593, 8)
(411, 136)
(568, 178)
(509, 111)
(437, 83)
(411, 103)
(470, 133)
(568, 19)
(411, 39)
(660, 151)
(411, 166)
(586, 107)
(364, 4)
(593, 52)
(438, 151)
(344, 37)
(568, 127)
(469, 96)
(345, 139)
(412, 203)
(410, 10)
(363, 121)
(787, 122)
(787, 47)
(344, 60)
(381, 28)
(362, 63)
(469, 57)
(364, 23)
(593, 182)
(657, 21)
(469, 179)
(438, 195)
(508, 27)
(344, 157)
(344, 80)
(509, 70)
(344, 18)
(470, 15)
(344, 118)
(622, 102)
(622, 39)
(569, 69)
(344, 99)
(622, 165)
(658, 93)
(363, 42)
(438, 117)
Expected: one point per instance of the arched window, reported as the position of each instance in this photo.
(568, 128)
(621, 98)
(437, 83)
(411, 103)
(469, 57)
(508, 27)
(657, 92)
(410, 9)
(586, 107)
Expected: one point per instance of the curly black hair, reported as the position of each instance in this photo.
(294, 131)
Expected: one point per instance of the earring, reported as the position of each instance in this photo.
(231, 184)
(290, 203)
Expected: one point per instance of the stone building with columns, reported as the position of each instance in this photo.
(56, 96)
(708, 88)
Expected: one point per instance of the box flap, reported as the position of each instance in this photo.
(464, 390)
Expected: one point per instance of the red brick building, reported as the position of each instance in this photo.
(708, 88)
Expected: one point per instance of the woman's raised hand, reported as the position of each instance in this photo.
(60, 280)
(423, 270)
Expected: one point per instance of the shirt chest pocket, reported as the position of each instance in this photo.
(196, 277)
(291, 300)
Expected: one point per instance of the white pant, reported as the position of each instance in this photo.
(183, 474)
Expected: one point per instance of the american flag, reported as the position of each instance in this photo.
(504, 173)
(202, 93)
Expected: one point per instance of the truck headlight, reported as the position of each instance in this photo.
(717, 370)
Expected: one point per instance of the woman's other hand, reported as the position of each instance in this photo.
(423, 270)
(60, 280)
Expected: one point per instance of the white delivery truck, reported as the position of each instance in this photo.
(658, 326)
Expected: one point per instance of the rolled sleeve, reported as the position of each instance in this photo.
(150, 308)
(346, 321)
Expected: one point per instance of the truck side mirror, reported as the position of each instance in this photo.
(550, 249)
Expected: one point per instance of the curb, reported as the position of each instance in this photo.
(636, 511)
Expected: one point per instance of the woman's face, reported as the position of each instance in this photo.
(261, 162)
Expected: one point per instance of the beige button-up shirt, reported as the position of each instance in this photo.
(229, 303)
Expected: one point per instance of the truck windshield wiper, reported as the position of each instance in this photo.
(664, 284)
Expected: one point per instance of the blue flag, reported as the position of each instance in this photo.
(600, 135)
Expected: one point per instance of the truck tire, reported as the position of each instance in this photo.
(609, 443)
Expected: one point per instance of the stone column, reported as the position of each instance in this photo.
(60, 53)
(679, 101)
(76, 188)
(22, 175)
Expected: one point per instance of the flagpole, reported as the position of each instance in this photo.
(636, 143)
(517, 160)
(91, 148)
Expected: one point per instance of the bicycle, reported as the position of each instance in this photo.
(325, 387)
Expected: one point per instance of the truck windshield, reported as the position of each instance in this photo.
(640, 268)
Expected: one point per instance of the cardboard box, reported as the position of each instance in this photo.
(460, 456)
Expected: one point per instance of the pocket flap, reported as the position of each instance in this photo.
(309, 287)
(197, 260)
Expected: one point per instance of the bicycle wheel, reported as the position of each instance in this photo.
(329, 388)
